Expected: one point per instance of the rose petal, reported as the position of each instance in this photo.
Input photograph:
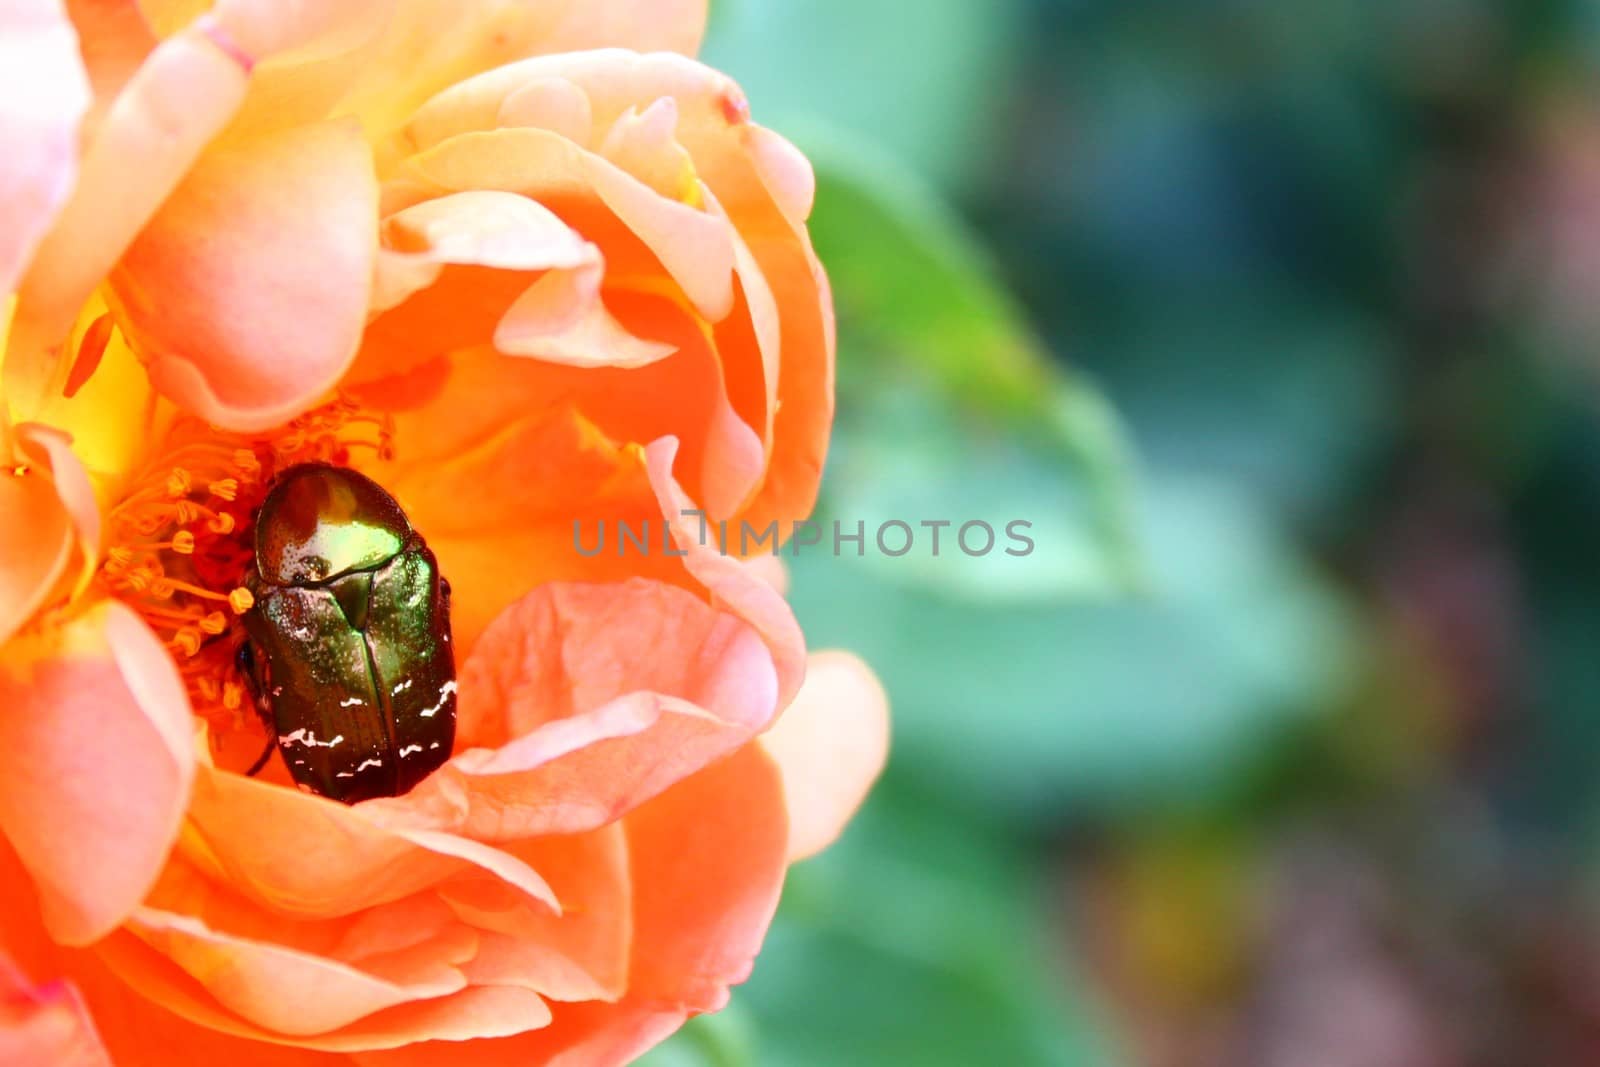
(293, 993)
(51, 450)
(486, 228)
(831, 744)
(582, 1035)
(500, 484)
(184, 92)
(45, 1025)
(561, 319)
(44, 93)
(553, 104)
(96, 761)
(708, 858)
(238, 238)
(269, 28)
(643, 25)
(114, 40)
(645, 144)
(762, 185)
(712, 852)
(311, 857)
(730, 581)
(551, 309)
(438, 43)
(696, 248)
(36, 540)
(766, 187)
(587, 727)
(487, 1011)
(136, 1032)
(582, 954)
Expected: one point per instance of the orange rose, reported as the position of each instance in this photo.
(577, 287)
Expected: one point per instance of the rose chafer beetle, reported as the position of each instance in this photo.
(348, 643)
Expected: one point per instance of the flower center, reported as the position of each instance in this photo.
(183, 537)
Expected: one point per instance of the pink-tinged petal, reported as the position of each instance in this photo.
(461, 270)
(114, 40)
(831, 744)
(279, 29)
(696, 248)
(44, 93)
(581, 1035)
(487, 228)
(46, 1024)
(36, 538)
(645, 144)
(712, 113)
(96, 762)
(556, 312)
(48, 449)
(587, 727)
(582, 954)
(708, 859)
(642, 25)
(475, 1012)
(729, 581)
(406, 942)
(771, 570)
(553, 104)
(272, 243)
(454, 1017)
(280, 989)
(490, 229)
(762, 199)
(749, 343)
(137, 1032)
(766, 188)
(431, 44)
(316, 54)
(785, 172)
(182, 95)
(561, 319)
(310, 857)
(754, 178)
(709, 856)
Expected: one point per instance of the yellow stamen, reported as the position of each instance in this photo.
(179, 541)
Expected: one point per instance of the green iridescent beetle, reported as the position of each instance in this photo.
(348, 643)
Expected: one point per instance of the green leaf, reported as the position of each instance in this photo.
(950, 408)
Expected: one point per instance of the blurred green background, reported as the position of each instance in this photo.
(1280, 320)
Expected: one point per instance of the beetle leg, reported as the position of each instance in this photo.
(251, 670)
(261, 760)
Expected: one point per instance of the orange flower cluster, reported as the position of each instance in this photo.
(523, 264)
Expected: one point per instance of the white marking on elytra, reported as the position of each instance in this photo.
(444, 695)
(352, 702)
(409, 749)
(402, 687)
(307, 738)
(369, 763)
